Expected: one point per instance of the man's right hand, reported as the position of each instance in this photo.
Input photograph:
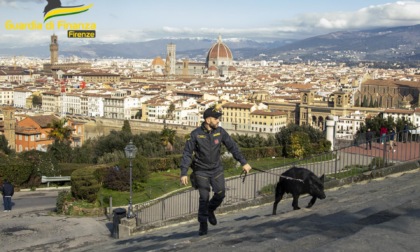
(184, 180)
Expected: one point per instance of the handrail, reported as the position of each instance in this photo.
(45, 179)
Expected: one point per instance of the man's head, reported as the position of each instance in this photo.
(211, 117)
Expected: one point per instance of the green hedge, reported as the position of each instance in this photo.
(85, 184)
(164, 164)
(262, 152)
(17, 171)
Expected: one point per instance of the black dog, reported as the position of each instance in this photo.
(52, 4)
(298, 181)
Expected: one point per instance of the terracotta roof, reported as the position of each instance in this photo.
(392, 83)
(237, 105)
(219, 50)
(268, 112)
(44, 120)
(399, 111)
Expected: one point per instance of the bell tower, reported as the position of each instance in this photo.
(171, 58)
(54, 50)
(10, 126)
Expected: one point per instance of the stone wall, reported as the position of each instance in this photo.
(102, 127)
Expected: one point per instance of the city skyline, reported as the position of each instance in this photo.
(135, 21)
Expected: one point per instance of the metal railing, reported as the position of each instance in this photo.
(346, 159)
(45, 179)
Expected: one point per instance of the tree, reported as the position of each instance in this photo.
(284, 136)
(167, 136)
(364, 103)
(4, 145)
(138, 115)
(126, 127)
(36, 101)
(61, 151)
(17, 170)
(170, 111)
(59, 131)
(42, 163)
(300, 146)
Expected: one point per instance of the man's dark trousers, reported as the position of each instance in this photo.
(205, 179)
(7, 201)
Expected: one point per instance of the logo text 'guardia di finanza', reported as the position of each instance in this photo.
(54, 9)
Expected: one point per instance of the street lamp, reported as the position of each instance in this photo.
(130, 153)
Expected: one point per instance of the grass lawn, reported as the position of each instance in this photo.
(162, 183)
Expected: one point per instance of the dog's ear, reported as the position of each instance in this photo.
(322, 178)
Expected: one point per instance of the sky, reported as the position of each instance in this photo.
(123, 21)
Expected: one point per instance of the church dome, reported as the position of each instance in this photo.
(158, 61)
(219, 51)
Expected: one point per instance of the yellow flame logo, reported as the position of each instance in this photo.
(65, 11)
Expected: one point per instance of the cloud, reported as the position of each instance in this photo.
(19, 3)
(310, 24)
(305, 25)
(391, 14)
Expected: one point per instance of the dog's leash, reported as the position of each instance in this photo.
(260, 170)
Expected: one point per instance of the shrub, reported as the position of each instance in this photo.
(42, 163)
(377, 162)
(33, 182)
(84, 184)
(62, 197)
(18, 171)
(117, 179)
(261, 152)
(229, 162)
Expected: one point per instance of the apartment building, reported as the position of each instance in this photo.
(32, 133)
(52, 102)
(94, 77)
(268, 121)
(408, 115)
(132, 105)
(237, 116)
(114, 107)
(20, 98)
(95, 104)
(72, 103)
(155, 111)
(6, 96)
(19, 75)
(347, 126)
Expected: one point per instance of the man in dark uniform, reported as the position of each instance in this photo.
(369, 136)
(7, 190)
(202, 151)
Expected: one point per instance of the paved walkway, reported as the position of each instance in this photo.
(378, 215)
(403, 151)
(359, 217)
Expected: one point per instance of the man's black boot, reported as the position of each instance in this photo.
(212, 218)
(203, 228)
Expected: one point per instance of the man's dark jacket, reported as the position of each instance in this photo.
(8, 189)
(369, 135)
(206, 145)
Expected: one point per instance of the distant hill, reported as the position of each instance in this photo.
(382, 44)
(185, 48)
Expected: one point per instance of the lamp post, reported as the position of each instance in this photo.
(130, 153)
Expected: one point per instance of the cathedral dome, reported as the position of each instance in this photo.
(219, 51)
(158, 61)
